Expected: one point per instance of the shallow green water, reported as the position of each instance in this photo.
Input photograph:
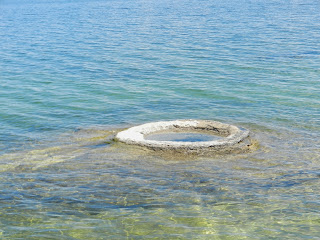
(86, 188)
(73, 73)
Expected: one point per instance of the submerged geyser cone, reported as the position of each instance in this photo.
(185, 135)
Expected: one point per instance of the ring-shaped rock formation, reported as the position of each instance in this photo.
(230, 135)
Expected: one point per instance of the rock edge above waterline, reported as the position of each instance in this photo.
(231, 136)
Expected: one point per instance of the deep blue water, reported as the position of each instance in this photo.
(71, 71)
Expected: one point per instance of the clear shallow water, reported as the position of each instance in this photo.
(182, 137)
(72, 71)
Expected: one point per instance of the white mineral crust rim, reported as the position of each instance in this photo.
(231, 134)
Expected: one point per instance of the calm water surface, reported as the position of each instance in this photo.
(73, 73)
(182, 137)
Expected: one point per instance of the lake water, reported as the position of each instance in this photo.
(182, 137)
(75, 72)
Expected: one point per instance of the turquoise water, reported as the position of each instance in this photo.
(182, 137)
(75, 72)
